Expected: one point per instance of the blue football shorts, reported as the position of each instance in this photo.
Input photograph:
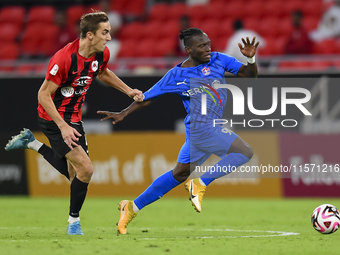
(200, 144)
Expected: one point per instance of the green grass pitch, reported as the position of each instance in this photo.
(169, 226)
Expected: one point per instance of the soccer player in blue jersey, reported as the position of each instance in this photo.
(202, 138)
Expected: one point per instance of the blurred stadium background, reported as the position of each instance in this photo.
(126, 162)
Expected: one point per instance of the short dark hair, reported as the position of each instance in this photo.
(89, 22)
(238, 24)
(187, 35)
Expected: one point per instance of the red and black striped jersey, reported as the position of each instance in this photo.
(74, 75)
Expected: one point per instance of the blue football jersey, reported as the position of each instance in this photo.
(189, 83)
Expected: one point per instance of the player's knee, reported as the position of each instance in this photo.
(86, 172)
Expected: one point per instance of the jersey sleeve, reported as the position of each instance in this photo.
(163, 86)
(231, 64)
(56, 70)
(106, 58)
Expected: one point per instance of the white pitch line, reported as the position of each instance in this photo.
(273, 234)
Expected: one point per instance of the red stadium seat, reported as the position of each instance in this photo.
(127, 48)
(9, 51)
(9, 32)
(159, 12)
(310, 22)
(137, 7)
(145, 48)
(35, 37)
(324, 47)
(131, 31)
(118, 6)
(254, 9)
(285, 26)
(151, 29)
(170, 29)
(234, 9)
(42, 13)
(177, 10)
(292, 5)
(164, 47)
(313, 8)
(226, 27)
(12, 14)
(252, 24)
(273, 8)
(219, 43)
(74, 13)
(210, 27)
(337, 46)
(269, 26)
(200, 12)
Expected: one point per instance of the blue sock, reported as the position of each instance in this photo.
(230, 163)
(162, 185)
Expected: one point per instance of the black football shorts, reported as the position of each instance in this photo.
(52, 132)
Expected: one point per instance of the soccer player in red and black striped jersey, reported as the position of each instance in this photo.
(69, 75)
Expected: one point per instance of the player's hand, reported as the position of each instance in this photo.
(137, 95)
(249, 48)
(116, 116)
(70, 136)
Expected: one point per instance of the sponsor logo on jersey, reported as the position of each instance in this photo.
(67, 91)
(206, 70)
(54, 69)
(94, 66)
(82, 81)
(80, 91)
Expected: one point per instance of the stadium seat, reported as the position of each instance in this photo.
(164, 47)
(313, 8)
(136, 8)
(12, 14)
(200, 12)
(31, 39)
(210, 27)
(9, 51)
(177, 10)
(118, 6)
(324, 47)
(285, 26)
(269, 26)
(234, 9)
(273, 8)
(151, 30)
(145, 48)
(159, 12)
(310, 22)
(9, 32)
(219, 43)
(252, 23)
(127, 48)
(42, 14)
(133, 30)
(253, 9)
(74, 13)
(226, 27)
(169, 29)
(292, 5)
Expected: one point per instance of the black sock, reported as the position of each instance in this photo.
(59, 164)
(78, 194)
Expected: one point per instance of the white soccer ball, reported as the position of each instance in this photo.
(326, 219)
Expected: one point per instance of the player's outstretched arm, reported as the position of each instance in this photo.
(119, 116)
(248, 50)
(112, 80)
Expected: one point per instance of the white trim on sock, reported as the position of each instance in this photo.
(135, 208)
(73, 219)
(201, 182)
(35, 145)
